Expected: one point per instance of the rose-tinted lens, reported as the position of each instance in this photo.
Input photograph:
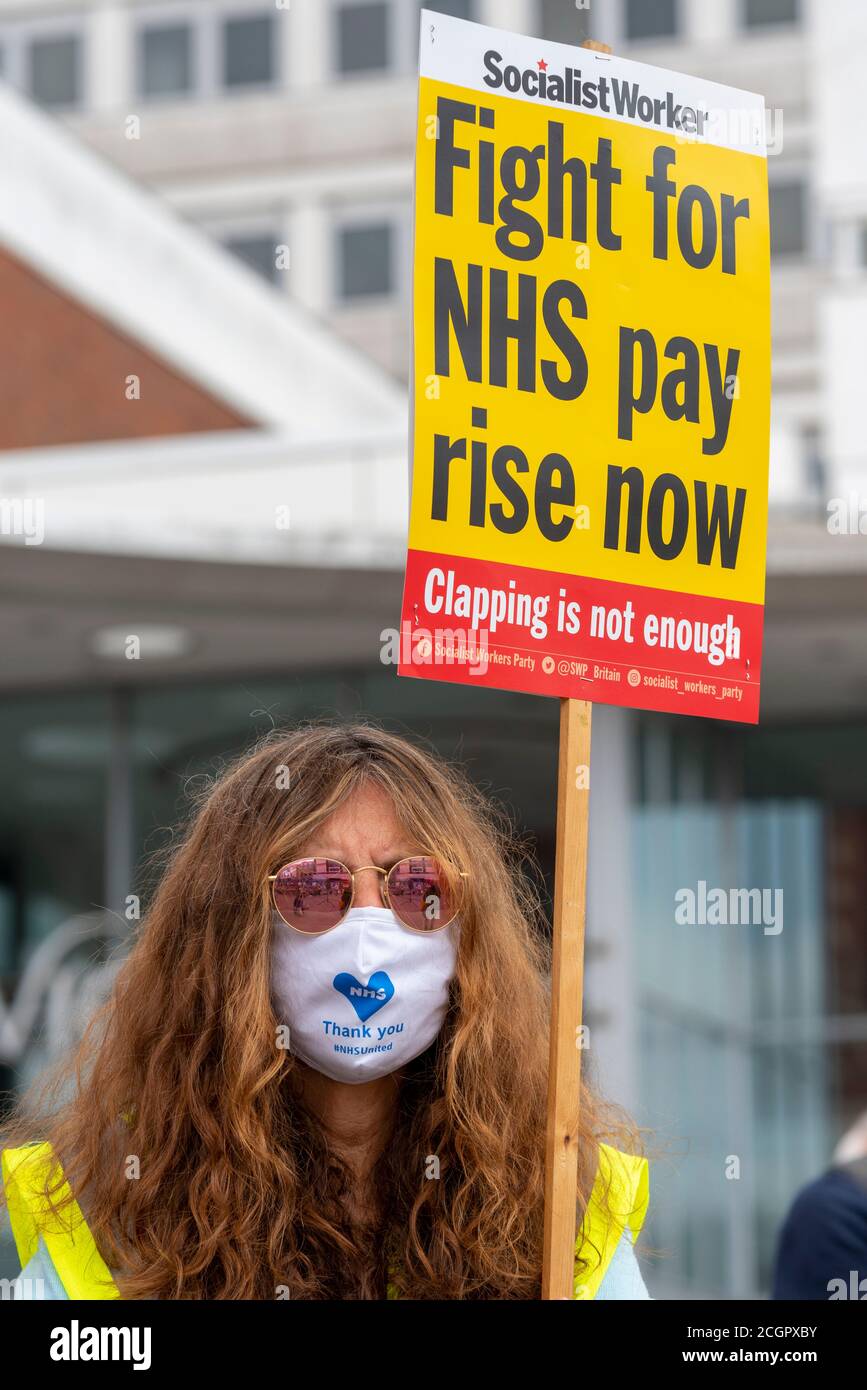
(312, 895)
(422, 894)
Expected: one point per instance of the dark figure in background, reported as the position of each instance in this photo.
(822, 1254)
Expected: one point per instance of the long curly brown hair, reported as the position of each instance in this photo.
(238, 1194)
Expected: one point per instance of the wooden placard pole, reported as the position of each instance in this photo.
(567, 985)
(567, 988)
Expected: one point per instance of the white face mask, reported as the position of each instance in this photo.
(364, 999)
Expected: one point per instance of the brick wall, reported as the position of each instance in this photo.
(63, 374)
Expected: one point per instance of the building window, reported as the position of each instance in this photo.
(362, 37)
(165, 59)
(458, 9)
(562, 22)
(248, 51)
(788, 206)
(55, 71)
(258, 252)
(758, 13)
(366, 261)
(650, 19)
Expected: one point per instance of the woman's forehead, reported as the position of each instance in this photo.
(365, 820)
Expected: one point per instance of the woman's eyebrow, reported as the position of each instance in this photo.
(382, 861)
(394, 856)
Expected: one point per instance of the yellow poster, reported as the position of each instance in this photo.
(591, 377)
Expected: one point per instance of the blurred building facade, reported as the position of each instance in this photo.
(212, 209)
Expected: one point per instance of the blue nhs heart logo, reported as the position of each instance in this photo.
(367, 999)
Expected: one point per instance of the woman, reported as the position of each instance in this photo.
(344, 1103)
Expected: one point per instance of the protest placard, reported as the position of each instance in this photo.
(591, 377)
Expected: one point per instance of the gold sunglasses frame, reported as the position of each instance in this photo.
(383, 893)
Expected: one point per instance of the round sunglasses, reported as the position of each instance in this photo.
(314, 895)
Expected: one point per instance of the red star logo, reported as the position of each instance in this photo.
(543, 66)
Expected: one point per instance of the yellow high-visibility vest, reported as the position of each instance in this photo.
(619, 1200)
